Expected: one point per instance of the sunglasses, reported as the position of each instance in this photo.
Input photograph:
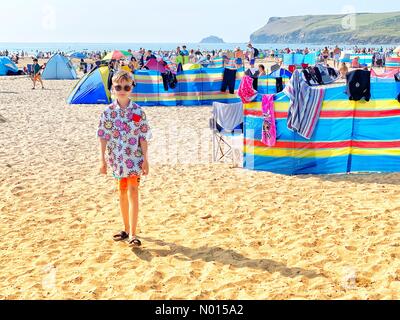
(126, 88)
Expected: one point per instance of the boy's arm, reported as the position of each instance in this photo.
(143, 138)
(103, 163)
(144, 147)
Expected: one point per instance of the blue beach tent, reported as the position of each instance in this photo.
(59, 67)
(6, 65)
(79, 55)
(92, 88)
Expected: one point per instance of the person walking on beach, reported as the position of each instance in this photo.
(336, 56)
(123, 132)
(325, 55)
(252, 57)
(36, 76)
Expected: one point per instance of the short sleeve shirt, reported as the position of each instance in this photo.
(36, 68)
(252, 52)
(123, 129)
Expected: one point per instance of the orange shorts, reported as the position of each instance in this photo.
(123, 184)
(37, 77)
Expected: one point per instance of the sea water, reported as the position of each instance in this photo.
(32, 48)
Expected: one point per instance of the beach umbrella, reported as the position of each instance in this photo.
(79, 55)
(156, 65)
(191, 66)
(116, 55)
(126, 53)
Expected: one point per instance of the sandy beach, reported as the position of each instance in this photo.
(209, 231)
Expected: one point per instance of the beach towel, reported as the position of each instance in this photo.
(269, 125)
(246, 91)
(229, 116)
(386, 75)
(304, 107)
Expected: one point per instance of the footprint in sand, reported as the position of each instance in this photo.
(121, 271)
(104, 257)
(17, 190)
(77, 280)
(142, 288)
(177, 280)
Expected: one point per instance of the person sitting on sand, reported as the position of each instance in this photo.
(123, 132)
(133, 64)
(261, 70)
(36, 76)
(343, 70)
(356, 63)
(239, 57)
(83, 66)
(124, 67)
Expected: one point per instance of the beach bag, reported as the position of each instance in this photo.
(256, 53)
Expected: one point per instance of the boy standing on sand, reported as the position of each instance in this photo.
(123, 132)
(36, 74)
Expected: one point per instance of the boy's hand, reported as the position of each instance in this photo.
(145, 167)
(103, 168)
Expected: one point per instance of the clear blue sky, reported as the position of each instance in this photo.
(160, 21)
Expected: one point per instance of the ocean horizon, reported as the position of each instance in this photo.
(80, 46)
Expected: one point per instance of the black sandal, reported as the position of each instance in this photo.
(136, 242)
(121, 236)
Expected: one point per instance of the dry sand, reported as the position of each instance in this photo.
(266, 236)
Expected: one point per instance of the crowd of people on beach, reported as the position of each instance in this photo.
(136, 60)
(184, 55)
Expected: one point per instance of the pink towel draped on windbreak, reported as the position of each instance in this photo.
(246, 91)
(269, 125)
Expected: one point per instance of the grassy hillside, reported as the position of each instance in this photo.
(378, 28)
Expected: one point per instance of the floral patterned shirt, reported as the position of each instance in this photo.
(123, 129)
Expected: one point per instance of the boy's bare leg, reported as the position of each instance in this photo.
(124, 206)
(41, 82)
(133, 199)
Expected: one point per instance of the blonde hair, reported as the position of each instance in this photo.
(122, 75)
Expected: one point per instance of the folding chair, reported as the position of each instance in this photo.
(29, 68)
(227, 125)
(275, 67)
